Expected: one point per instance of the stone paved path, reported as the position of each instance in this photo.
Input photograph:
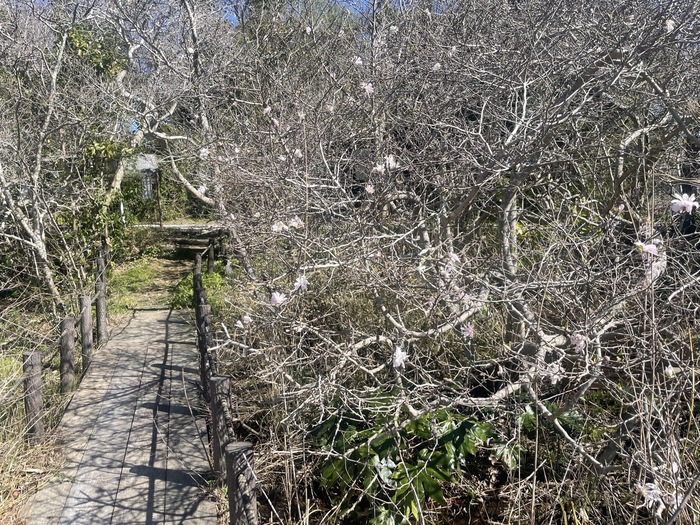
(134, 451)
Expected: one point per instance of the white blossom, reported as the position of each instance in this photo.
(202, 189)
(246, 319)
(683, 203)
(652, 497)
(390, 162)
(239, 325)
(393, 29)
(279, 227)
(356, 61)
(204, 153)
(369, 188)
(554, 372)
(278, 299)
(302, 283)
(669, 372)
(379, 168)
(670, 25)
(578, 341)
(267, 110)
(400, 357)
(298, 154)
(436, 67)
(296, 223)
(368, 88)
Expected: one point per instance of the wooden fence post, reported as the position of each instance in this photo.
(197, 276)
(204, 342)
(101, 303)
(67, 357)
(86, 331)
(210, 257)
(33, 397)
(218, 394)
(241, 484)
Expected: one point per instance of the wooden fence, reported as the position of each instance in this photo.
(233, 460)
(32, 361)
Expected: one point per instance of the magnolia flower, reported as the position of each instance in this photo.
(278, 299)
(390, 162)
(554, 372)
(379, 168)
(296, 223)
(647, 249)
(356, 61)
(368, 88)
(652, 496)
(400, 357)
(302, 283)
(468, 331)
(578, 341)
(669, 372)
(279, 227)
(669, 25)
(683, 203)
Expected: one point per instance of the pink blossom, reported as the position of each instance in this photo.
(468, 331)
(683, 203)
(368, 88)
(645, 249)
(246, 319)
(278, 299)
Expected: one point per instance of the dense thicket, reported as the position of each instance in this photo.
(467, 234)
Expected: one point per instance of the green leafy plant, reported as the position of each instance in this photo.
(397, 469)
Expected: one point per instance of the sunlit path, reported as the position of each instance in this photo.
(132, 439)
